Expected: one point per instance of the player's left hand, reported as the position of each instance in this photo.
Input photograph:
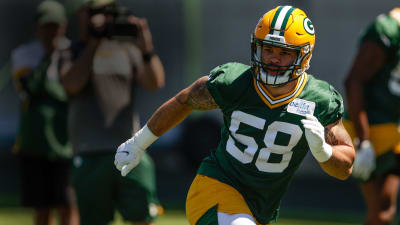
(315, 135)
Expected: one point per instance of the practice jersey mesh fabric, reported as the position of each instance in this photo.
(262, 147)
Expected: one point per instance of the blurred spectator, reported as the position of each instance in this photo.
(373, 95)
(114, 54)
(42, 144)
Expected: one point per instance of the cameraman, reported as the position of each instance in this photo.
(107, 63)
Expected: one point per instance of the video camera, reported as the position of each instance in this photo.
(116, 28)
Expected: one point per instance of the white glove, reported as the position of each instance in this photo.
(364, 163)
(128, 156)
(315, 135)
(130, 153)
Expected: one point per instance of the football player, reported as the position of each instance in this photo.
(274, 113)
(373, 94)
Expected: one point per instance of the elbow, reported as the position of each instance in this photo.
(340, 172)
(157, 84)
(154, 87)
(343, 178)
(345, 172)
(160, 81)
(73, 85)
(347, 169)
(345, 175)
(71, 91)
(69, 88)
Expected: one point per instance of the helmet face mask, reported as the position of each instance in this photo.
(296, 34)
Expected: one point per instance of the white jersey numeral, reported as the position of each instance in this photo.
(247, 155)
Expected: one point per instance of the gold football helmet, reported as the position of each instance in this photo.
(285, 27)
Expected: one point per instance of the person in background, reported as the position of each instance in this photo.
(274, 113)
(42, 144)
(114, 55)
(373, 97)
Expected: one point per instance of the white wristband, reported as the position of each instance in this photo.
(144, 137)
(325, 153)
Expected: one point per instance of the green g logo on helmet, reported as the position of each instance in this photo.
(308, 26)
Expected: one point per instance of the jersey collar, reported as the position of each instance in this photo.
(274, 102)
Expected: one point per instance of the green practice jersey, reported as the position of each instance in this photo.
(382, 93)
(262, 140)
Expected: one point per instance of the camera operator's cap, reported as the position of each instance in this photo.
(50, 11)
(94, 4)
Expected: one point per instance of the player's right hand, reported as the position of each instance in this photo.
(128, 156)
(364, 163)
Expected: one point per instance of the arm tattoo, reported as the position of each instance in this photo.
(336, 134)
(198, 97)
(330, 138)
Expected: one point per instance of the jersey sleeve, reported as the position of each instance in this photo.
(333, 107)
(384, 31)
(227, 82)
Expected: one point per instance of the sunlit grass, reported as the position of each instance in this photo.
(19, 216)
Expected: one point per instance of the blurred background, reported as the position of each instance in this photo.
(192, 37)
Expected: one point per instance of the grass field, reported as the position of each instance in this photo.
(17, 216)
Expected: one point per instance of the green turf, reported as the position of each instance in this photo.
(18, 216)
(15, 216)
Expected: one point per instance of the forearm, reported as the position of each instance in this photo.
(340, 164)
(153, 74)
(171, 113)
(168, 116)
(369, 60)
(331, 146)
(356, 109)
(78, 75)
